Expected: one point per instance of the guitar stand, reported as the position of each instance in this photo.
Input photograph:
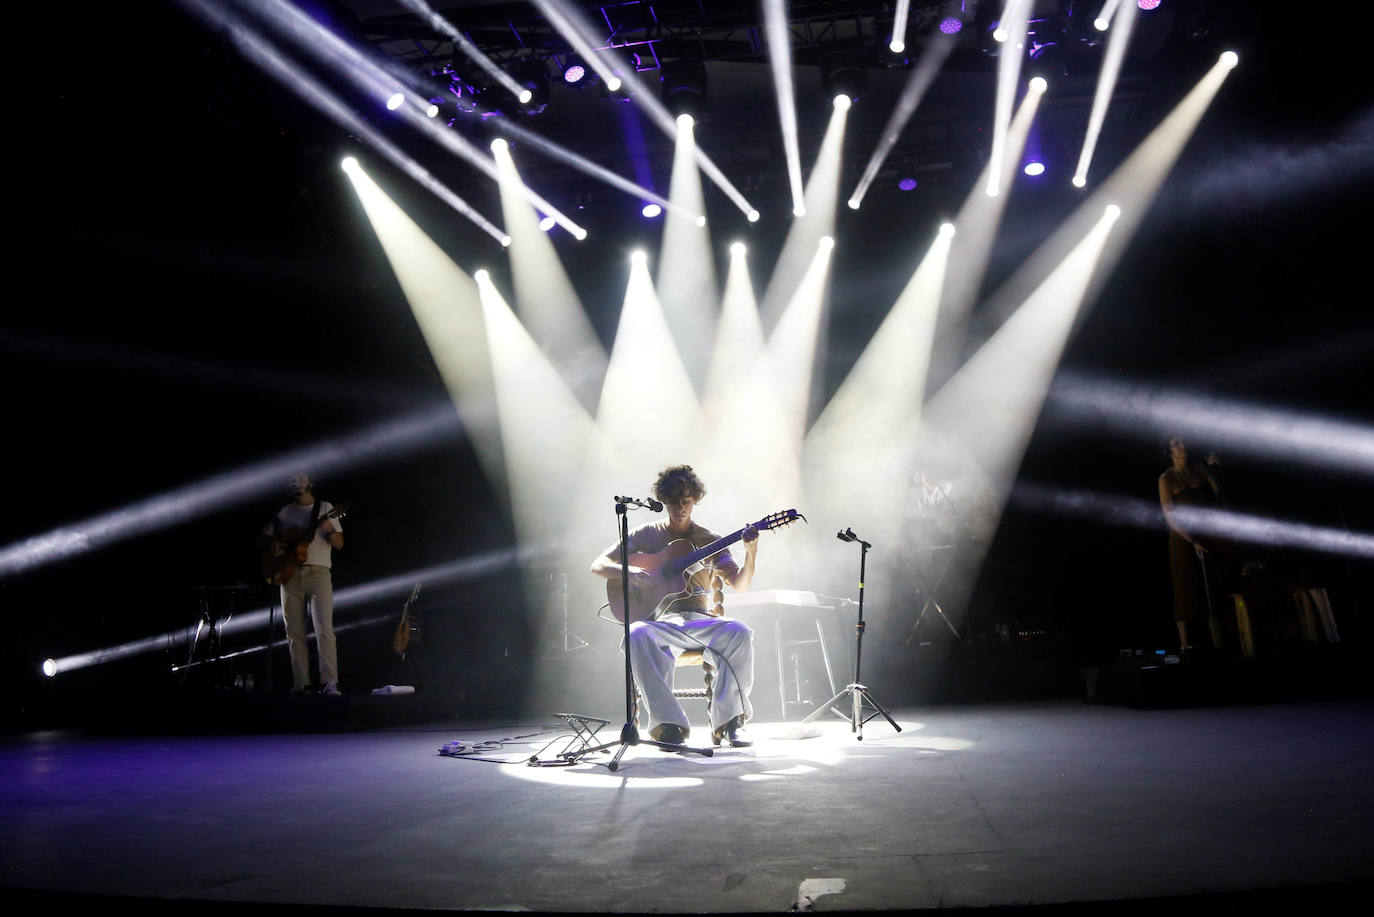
(928, 601)
(629, 734)
(584, 730)
(858, 694)
(571, 641)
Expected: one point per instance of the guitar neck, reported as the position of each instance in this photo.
(711, 549)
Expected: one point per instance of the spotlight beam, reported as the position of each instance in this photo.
(571, 24)
(412, 433)
(262, 53)
(780, 60)
(899, 20)
(912, 93)
(443, 26)
(332, 51)
(1239, 426)
(251, 621)
(1106, 84)
(595, 170)
(548, 303)
(1014, 23)
(1118, 509)
(686, 278)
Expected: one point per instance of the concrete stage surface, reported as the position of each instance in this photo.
(1056, 803)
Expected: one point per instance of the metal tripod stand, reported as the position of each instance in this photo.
(857, 693)
(928, 602)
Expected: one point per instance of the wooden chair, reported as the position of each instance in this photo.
(691, 658)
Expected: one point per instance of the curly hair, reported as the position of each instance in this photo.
(678, 481)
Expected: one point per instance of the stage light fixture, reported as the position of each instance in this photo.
(853, 204)
(1229, 59)
(533, 79)
(682, 87)
(575, 70)
(348, 163)
(1039, 84)
(1079, 181)
(753, 216)
(50, 667)
(1148, 5)
(737, 248)
(842, 102)
(650, 211)
(951, 25)
(907, 184)
(843, 71)
(547, 223)
(396, 100)
(1034, 168)
(701, 222)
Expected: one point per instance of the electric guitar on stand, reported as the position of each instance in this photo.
(671, 568)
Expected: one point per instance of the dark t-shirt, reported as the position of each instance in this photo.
(653, 537)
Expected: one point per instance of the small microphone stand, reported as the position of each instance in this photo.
(629, 734)
(856, 690)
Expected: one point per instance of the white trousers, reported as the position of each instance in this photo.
(728, 646)
(316, 582)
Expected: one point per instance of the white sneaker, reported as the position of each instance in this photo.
(332, 689)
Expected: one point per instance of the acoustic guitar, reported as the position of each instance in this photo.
(671, 568)
(408, 631)
(279, 566)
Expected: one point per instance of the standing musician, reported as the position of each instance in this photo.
(307, 521)
(1186, 483)
(694, 623)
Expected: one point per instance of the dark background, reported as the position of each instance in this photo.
(194, 288)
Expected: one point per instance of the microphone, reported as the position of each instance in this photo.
(649, 504)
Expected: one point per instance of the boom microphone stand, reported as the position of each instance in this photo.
(629, 735)
(856, 691)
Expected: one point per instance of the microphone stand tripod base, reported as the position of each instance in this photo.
(858, 694)
(629, 735)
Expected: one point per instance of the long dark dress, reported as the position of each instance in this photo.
(1184, 566)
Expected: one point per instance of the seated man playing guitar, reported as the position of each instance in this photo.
(673, 610)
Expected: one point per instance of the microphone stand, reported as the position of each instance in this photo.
(856, 690)
(629, 734)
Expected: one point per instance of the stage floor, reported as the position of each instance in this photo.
(1002, 805)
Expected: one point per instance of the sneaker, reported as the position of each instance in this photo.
(332, 690)
(668, 734)
(732, 733)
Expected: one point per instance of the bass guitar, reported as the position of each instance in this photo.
(408, 631)
(285, 553)
(671, 568)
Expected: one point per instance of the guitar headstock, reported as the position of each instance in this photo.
(778, 520)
